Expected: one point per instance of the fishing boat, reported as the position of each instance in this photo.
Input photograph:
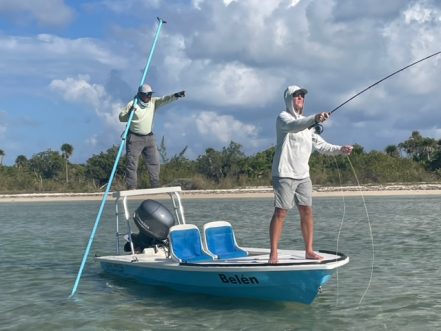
(167, 251)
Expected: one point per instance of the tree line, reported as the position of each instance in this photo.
(417, 159)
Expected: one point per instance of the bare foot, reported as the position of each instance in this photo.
(313, 256)
(273, 259)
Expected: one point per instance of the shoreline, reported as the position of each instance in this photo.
(246, 193)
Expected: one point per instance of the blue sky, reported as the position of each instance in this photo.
(67, 67)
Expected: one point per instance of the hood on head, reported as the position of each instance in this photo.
(288, 97)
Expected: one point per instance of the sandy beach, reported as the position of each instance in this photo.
(246, 193)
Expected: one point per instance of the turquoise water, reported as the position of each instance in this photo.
(42, 245)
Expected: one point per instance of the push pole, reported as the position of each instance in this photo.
(115, 165)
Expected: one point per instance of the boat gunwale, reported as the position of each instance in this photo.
(167, 263)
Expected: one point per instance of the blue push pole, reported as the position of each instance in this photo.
(115, 165)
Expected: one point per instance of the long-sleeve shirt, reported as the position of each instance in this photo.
(295, 143)
(142, 121)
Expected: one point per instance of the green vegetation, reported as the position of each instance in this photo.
(418, 159)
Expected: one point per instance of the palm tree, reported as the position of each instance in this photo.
(67, 151)
(392, 150)
(420, 148)
(21, 161)
(2, 154)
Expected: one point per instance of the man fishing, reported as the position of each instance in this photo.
(296, 140)
(140, 139)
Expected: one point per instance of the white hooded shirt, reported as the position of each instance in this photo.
(295, 142)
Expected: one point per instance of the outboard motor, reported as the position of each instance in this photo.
(154, 221)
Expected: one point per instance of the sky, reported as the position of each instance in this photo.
(67, 67)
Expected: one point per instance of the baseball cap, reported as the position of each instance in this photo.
(296, 89)
(145, 88)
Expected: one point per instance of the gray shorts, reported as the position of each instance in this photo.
(289, 191)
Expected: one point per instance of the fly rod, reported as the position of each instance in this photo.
(318, 126)
(383, 79)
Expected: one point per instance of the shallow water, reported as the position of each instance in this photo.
(43, 244)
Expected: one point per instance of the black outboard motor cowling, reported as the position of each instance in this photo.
(153, 219)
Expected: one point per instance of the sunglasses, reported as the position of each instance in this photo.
(298, 94)
(148, 95)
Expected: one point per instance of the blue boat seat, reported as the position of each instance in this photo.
(220, 240)
(186, 244)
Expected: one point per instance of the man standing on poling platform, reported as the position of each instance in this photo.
(140, 139)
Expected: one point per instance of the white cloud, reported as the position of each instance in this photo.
(92, 141)
(421, 14)
(81, 47)
(126, 6)
(412, 36)
(44, 12)
(245, 55)
(80, 90)
(294, 3)
(227, 2)
(48, 56)
(210, 129)
(232, 84)
(197, 4)
(224, 128)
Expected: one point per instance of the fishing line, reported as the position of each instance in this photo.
(342, 222)
(343, 215)
(370, 230)
(319, 129)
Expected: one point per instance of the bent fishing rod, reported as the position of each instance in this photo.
(319, 128)
(115, 165)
